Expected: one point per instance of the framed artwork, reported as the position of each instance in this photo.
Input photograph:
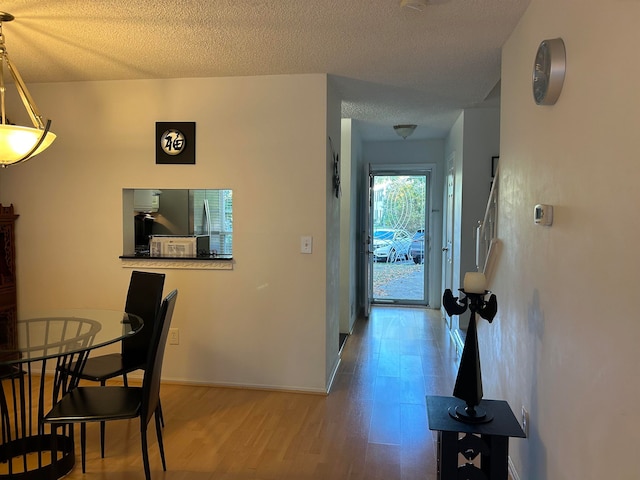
(336, 170)
(176, 143)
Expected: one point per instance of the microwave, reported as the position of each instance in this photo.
(178, 246)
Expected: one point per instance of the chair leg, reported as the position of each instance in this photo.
(83, 445)
(145, 452)
(54, 447)
(102, 427)
(158, 414)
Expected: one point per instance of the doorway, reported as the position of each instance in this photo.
(399, 237)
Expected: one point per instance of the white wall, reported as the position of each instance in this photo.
(472, 141)
(350, 250)
(332, 248)
(565, 340)
(454, 151)
(264, 323)
(481, 142)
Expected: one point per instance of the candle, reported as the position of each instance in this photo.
(474, 282)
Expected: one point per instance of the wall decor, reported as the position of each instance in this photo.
(176, 143)
(336, 170)
(549, 69)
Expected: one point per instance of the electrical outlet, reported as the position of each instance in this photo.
(525, 421)
(174, 336)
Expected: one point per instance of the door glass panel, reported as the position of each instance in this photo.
(400, 239)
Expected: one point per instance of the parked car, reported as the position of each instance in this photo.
(390, 244)
(416, 250)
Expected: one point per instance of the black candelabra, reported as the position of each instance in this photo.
(469, 380)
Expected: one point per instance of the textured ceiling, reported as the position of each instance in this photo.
(391, 64)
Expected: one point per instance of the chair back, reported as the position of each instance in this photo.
(143, 299)
(153, 369)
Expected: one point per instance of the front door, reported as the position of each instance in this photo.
(398, 237)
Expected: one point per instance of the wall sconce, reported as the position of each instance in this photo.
(404, 130)
(19, 143)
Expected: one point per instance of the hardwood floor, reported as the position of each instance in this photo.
(372, 425)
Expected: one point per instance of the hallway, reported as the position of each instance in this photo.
(372, 425)
(390, 363)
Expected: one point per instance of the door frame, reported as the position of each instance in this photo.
(368, 247)
(433, 212)
(448, 240)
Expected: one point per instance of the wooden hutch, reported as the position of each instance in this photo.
(8, 295)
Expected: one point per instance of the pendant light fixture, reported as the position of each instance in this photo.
(19, 143)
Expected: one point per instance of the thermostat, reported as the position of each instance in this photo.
(543, 214)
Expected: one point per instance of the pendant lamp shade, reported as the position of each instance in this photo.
(19, 143)
(16, 142)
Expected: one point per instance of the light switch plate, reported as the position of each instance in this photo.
(306, 244)
(174, 336)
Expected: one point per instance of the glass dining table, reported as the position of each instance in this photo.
(52, 348)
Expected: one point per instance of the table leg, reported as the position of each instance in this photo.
(447, 455)
(496, 465)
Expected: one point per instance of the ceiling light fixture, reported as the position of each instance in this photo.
(18, 143)
(404, 130)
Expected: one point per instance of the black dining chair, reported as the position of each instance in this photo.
(106, 403)
(143, 299)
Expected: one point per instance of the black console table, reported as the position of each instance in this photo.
(489, 440)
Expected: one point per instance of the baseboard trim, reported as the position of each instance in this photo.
(333, 375)
(454, 334)
(265, 388)
(457, 341)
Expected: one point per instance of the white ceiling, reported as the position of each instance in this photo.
(391, 64)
